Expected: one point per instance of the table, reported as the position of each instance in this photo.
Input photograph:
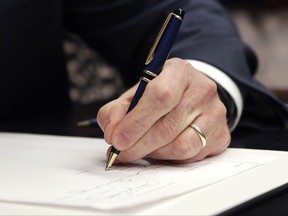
(65, 123)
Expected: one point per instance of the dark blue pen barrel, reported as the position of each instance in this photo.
(164, 46)
(138, 95)
(161, 53)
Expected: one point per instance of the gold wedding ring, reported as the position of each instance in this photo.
(200, 134)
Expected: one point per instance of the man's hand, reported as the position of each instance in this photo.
(158, 127)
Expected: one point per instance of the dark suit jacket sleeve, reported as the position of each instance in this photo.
(123, 31)
(32, 63)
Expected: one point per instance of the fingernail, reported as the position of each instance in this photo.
(121, 140)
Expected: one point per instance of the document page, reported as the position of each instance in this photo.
(70, 171)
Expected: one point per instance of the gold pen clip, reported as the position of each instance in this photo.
(155, 44)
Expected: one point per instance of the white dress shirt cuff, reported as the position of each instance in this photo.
(225, 81)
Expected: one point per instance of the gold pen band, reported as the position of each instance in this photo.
(148, 76)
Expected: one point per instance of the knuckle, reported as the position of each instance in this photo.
(211, 88)
(185, 148)
(177, 61)
(165, 129)
(206, 91)
(163, 96)
(180, 64)
(221, 110)
(139, 122)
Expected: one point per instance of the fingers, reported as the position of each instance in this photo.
(160, 97)
(187, 146)
(110, 115)
(170, 138)
(113, 112)
(158, 125)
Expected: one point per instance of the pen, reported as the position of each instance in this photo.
(89, 122)
(156, 58)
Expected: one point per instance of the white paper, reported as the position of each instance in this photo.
(67, 171)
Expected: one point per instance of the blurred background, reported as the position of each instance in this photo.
(263, 25)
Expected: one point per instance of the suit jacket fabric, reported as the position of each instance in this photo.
(32, 64)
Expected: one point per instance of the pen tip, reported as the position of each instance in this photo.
(111, 158)
(109, 162)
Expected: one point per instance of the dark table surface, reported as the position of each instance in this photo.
(65, 123)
